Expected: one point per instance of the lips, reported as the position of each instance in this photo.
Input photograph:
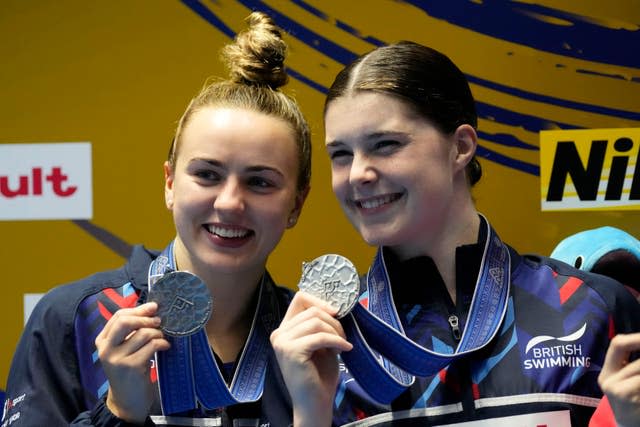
(228, 232)
(377, 202)
(230, 237)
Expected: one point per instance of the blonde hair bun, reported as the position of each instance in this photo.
(257, 55)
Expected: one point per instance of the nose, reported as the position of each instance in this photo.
(362, 170)
(230, 197)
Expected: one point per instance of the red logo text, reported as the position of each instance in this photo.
(37, 182)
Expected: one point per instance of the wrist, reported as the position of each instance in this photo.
(304, 422)
(102, 416)
(312, 418)
(131, 418)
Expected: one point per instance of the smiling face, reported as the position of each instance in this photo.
(397, 177)
(232, 190)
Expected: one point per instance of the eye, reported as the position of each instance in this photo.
(207, 175)
(387, 145)
(340, 155)
(259, 182)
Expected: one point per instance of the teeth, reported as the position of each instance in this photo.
(374, 203)
(227, 232)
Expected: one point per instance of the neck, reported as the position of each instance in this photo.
(444, 256)
(461, 229)
(233, 312)
(233, 305)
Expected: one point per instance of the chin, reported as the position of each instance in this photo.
(384, 235)
(371, 237)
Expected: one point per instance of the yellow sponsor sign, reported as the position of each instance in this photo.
(590, 169)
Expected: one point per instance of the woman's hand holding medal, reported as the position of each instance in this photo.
(306, 345)
(310, 337)
(125, 347)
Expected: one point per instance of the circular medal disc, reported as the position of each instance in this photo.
(334, 279)
(184, 303)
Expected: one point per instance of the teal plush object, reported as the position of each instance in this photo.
(584, 249)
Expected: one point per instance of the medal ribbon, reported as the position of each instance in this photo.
(188, 372)
(384, 360)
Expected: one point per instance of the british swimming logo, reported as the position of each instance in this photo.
(545, 351)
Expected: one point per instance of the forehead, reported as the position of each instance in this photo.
(234, 130)
(365, 113)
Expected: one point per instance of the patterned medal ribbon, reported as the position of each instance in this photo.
(384, 360)
(188, 372)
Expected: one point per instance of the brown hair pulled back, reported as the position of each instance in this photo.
(424, 78)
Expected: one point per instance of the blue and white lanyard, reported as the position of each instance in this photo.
(384, 360)
(188, 372)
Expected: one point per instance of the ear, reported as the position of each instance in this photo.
(466, 142)
(168, 185)
(297, 208)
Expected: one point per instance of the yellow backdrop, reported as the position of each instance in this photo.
(119, 73)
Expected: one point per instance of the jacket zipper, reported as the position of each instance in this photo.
(455, 327)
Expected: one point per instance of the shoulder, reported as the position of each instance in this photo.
(63, 300)
(559, 268)
(569, 279)
(278, 297)
(283, 297)
(283, 294)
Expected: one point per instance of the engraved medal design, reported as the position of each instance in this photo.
(184, 303)
(334, 279)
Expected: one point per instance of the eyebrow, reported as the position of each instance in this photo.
(369, 137)
(208, 161)
(254, 168)
(333, 144)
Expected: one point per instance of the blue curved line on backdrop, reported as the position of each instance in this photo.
(496, 157)
(349, 29)
(512, 118)
(345, 56)
(340, 24)
(506, 140)
(601, 74)
(209, 16)
(587, 41)
(311, 9)
(313, 39)
(574, 105)
(317, 86)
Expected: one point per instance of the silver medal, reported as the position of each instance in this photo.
(334, 279)
(184, 303)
